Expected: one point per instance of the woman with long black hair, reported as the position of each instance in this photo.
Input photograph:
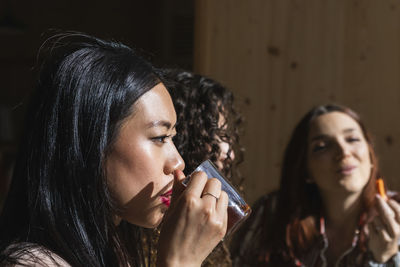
(97, 164)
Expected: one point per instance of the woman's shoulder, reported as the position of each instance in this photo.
(29, 254)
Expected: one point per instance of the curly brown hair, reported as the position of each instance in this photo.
(200, 102)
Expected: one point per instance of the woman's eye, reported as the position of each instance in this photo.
(318, 147)
(161, 139)
(353, 139)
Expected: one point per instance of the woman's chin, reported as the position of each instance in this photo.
(153, 225)
(150, 219)
(154, 221)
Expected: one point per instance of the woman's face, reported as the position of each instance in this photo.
(223, 146)
(141, 164)
(338, 154)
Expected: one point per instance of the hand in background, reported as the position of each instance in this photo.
(384, 230)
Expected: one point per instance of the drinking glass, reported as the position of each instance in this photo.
(238, 209)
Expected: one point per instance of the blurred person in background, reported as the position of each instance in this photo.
(327, 211)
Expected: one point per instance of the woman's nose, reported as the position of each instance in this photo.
(342, 151)
(232, 155)
(225, 151)
(174, 162)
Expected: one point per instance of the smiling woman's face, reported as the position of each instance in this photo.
(142, 161)
(338, 155)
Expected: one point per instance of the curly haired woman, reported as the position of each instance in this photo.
(207, 121)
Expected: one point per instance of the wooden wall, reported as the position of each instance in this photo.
(282, 57)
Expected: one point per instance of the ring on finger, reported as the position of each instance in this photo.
(210, 194)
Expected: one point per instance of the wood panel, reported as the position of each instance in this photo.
(283, 57)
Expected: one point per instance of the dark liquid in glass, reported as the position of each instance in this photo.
(236, 215)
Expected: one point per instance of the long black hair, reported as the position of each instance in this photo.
(59, 199)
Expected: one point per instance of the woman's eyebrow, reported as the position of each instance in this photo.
(348, 130)
(160, 123)
(322, 136)
(318, 137)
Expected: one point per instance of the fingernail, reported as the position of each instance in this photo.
(384, 198)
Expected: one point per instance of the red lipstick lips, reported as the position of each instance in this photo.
(166, 198)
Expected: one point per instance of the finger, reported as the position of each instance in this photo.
(386, 214)
(377, 225)
(212, 189)
(196, 183)
(372, 231)
(211, 193)
(396, 208)
(178, 187)
(222, 208)
(222, 204)
(383, 207)
(381, 229)
(210, 196)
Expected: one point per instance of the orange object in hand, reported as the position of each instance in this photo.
(381, 188)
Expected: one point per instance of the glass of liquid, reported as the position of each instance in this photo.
(238, 209)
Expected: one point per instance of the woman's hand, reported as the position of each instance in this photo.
(384, 230)
(195, 222)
